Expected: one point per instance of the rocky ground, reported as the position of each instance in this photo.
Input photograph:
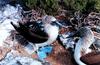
(13, 53)
(58, 56)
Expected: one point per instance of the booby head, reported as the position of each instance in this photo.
(48, 19)
(51, 21)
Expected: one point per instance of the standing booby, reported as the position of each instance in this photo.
(35, 35)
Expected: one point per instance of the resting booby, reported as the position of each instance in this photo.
(86, 39)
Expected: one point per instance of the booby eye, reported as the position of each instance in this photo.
(54, 23)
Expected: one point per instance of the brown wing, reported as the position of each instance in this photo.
(34, 34)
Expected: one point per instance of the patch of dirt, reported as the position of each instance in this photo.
(60, 56)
